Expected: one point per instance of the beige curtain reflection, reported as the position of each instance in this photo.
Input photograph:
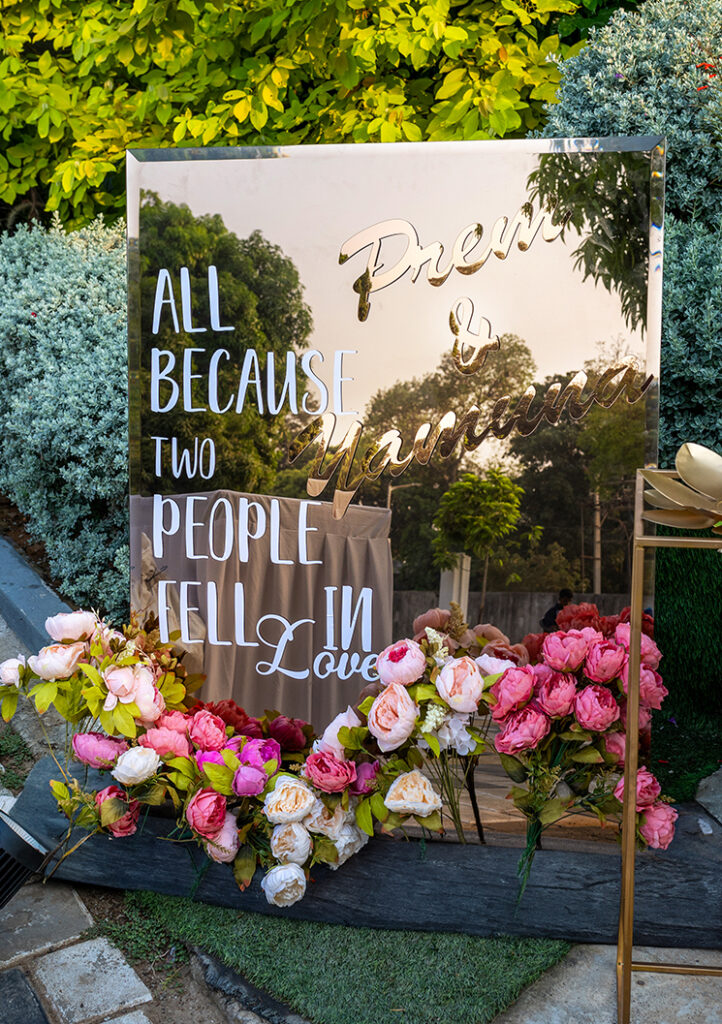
(354, 551)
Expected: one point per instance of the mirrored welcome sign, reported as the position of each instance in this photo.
(327, 340)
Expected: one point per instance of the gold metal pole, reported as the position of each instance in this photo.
(629, 813)
(667, 968)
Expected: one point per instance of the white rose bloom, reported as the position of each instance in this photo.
(136, 765)
(321, 821)
(284, 885)
(10, 671)
(412, 793)
(349, 842)
(329, 741)
(289, 800)
(490, 666)
(291, 843)
(453, 733)
(71, 626)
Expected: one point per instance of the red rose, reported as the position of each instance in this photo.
(288, 733)
(533, 643)
(579, 616)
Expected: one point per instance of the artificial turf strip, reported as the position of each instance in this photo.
(332, 974)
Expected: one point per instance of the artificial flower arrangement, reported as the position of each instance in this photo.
(253, 792)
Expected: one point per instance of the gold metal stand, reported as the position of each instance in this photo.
(625, 942)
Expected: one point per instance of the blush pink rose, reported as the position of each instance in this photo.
(650, 653)
(648, 789)
(564, 652)
(147, 696)
(249, 781)
(512, 691)
(166, 742)
(328, 774)
(460, 684)
(392, 717)
(207, 731)
(98, 750)
(403, 662)
(128, 823)
(616, 744)
(206, 813)
(595, 708)
(121, 682)
(224, 847)
(366, 774)
(522, 731)
(605, 661)
(58, 661)
(657, 826)
(71, 626)
(652, 690)
(555, 692)
(329, 740)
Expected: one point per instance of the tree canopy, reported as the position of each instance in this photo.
(82, 80)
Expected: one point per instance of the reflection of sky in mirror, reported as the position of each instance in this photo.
(311, 201)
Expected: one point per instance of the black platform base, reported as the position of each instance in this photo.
(429, 887)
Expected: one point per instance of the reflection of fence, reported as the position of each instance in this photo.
(514, 613)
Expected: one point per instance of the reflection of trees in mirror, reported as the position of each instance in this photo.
(606, 196)
(261, 297)
(406, 405)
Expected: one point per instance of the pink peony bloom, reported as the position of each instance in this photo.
(522, 731)
(166, 742)
(403, 662)
(10, 671)
(98, 750)
(648, 789)
(148, 698)
(174, 720)
(71, 626)
(365, 782)
(564, 652)
(288, 732)
(224, 847)
(650, 653)
(258, 753)
(596, 708)
(512, 691)
(121, 682)
(206, 813)
(329, 740)
(616, 743)
(555, 693)
(392, 717)
(128, 823)
(207, 731)
(645, 716)
(249, 781)
(605, 661)
(203, 757)
(328, 774)
(657, 826)
(652, 690)
(460, 684)
(58, 661)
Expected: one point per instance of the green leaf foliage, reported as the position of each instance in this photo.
(82, 81)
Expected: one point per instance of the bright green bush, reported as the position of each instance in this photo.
(81, 81)
(63, 412)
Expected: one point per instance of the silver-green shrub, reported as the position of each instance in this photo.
(63, 404)
(638, 76)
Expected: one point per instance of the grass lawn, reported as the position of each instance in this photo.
(686, 747)
(333, 974)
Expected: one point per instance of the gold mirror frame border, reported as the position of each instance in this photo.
(625, 942)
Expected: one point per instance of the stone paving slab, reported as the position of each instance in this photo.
(39, 918)
(709, 794)
(87, 981)
(582, 990)
(18, 1002)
